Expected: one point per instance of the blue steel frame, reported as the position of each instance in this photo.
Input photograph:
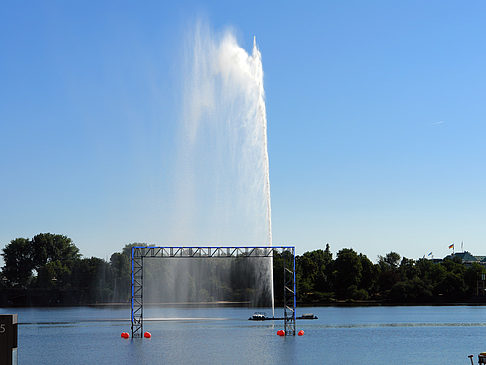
(141, 252)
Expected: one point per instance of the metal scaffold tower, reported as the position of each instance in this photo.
(289, 295)
(139, 253)
(137, 292)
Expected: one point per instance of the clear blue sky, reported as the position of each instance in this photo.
(376, 120)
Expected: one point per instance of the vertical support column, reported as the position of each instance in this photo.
(289, 293)
(294, 282)
(8, 339)
(137, 292)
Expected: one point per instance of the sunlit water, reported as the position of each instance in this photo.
(371, 335)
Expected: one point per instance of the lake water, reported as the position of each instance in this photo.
(359, 335)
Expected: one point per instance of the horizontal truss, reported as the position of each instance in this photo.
(190, 252)
(141, 252)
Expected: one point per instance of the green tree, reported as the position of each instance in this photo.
(369, 275)
(389, 274)
(454, 265)
(54, 275)
(92, 277)
(48, 247)
(313, 273)
(17, 256)
(437, 275)
(471, 276)
(322, 280)
(424, 268)
(347, 271)
(390, 260)
(407, 269)
(410, 290)
(54, 256)
(452, 286)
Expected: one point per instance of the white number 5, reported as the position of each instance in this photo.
(2, 328)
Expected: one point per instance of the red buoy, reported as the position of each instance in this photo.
(125, 335)
(301, 333)
(147, 334)
(281, 332)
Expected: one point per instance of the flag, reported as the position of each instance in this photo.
(451, 246)
(430, 254)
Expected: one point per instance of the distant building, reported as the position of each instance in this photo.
(466, 257)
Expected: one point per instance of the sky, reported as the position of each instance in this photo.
(376, 120)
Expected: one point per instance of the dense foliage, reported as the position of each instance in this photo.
(353, 277)
(49, 270)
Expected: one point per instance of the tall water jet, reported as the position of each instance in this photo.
(222, 184)
(263, 115)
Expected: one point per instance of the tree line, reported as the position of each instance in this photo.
(353, 277)
(49, 270)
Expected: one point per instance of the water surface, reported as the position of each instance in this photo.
(364, 335)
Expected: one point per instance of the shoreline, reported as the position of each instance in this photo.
(215, 304)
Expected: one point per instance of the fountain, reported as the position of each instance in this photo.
(221, 175)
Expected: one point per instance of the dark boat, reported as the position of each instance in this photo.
(307, 316)
(260, 316)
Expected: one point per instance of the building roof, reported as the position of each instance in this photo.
(464, 256)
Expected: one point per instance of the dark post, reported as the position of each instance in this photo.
(8, 339)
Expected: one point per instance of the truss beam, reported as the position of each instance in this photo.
(141, 252)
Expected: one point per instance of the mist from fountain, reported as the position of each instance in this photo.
(222, 185)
